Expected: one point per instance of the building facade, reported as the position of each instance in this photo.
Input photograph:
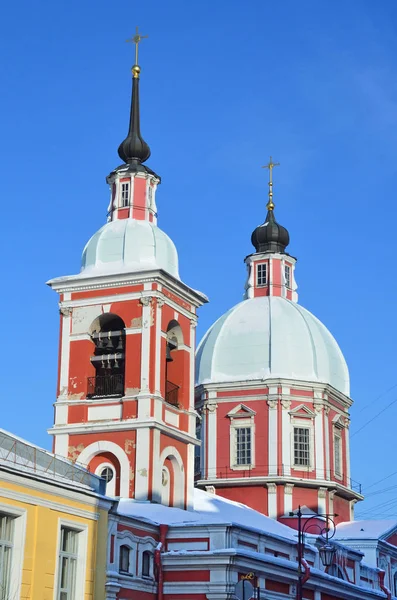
(53, 526)
(268, 395)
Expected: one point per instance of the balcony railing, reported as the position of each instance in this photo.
(105, 385)
(171, 393)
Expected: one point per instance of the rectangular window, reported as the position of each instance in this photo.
(68, 555)
(125, 194)
(301, 447)
(338, 453)
(287, 274)
(243, 445)
(261, 274)
(6, 545)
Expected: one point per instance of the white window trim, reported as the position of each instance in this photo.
(18, 547)
(111, 486)
(121, 205)
(257, 274)
(137, 546)
(81, 570)
(289, 267)
(338, 432)
(303, 424)
(237, 422)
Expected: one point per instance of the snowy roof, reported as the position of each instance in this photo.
(19, 454)
(270, 337)
(358, 530)
(209, 509)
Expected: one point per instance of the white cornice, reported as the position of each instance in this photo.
(129, 424)
(76, 283)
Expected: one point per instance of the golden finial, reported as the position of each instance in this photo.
(270, 165)
(136, 40)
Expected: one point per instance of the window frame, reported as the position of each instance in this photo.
(122, 194)
(110, 485)
(337, 435)
(19, 517)
(149, 574)
(309, 428)
(259, 267)
(241, 422)
(128, 571)
(81, 564)
(287, 278)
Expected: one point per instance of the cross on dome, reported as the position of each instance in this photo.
(270, 165)
(136, 39)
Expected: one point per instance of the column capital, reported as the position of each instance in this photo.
(66, 311)
(288, 488)
(272, 488)
(272, 404)
(286, 404)
(146, 300)
(160, 302)
(318, 408)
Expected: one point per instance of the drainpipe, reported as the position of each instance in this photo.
(157, 561)
(382, 584)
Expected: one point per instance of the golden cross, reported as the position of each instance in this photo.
(137, 40)
(270, 166)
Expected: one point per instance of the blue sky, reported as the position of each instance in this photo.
(223, 86)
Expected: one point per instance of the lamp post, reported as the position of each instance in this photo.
(326, 530)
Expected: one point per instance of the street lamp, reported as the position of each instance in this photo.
(326, 530)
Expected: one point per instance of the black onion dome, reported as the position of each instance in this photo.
(270, 236)
(134, 148)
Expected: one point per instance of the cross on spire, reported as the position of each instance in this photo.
(136, 39)
(270, 165)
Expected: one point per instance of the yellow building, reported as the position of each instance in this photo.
(53, 526)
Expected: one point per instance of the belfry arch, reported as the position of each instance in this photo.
(107, 333)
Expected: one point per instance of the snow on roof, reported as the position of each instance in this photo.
(371, 529)
(208, 509)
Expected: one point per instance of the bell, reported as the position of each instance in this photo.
(100, 342)
(109, 342)
(109, 366)
(120, 344)
(168, 356)
(116, 363)
(102, 364)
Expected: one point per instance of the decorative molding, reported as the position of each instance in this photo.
(322, 492)
(66, 311)
(286, 404)
(246, 412)
(272, 404)
(318, 408)
(211, 407)
(272, 488)
(288, 488)
(146, 300)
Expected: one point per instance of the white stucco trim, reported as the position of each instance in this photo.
(81, 566)
(211, 416)
(319, 443)
(145, 348)
(272, 437)
(103, 446)
(18, 547)
(65, 352)
(142, 464)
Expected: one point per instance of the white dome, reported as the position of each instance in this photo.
(129, 245)
(270, 337)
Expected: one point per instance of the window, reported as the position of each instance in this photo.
(125, 194)
(6, 545)
(338, 453)
(261, 274)
(107, 474)
(243, 443)
(302, 446)
(68, 556)
(287, 275)
(124, 559)
(146, 563)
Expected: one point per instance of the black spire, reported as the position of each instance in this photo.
(270, 236)
(134, 149)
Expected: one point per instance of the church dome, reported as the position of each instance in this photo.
(129, 245)
(270, 337)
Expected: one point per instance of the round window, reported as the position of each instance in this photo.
(107, 474)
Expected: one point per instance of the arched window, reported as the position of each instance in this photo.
(108, 336)
(124, 559)
(146, 563)
(174, 365)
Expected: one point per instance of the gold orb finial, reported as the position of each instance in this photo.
(136, 69)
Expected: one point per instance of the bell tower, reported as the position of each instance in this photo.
(125, 399)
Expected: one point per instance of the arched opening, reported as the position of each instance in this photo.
(107, 466)
(108, 336)
(174, 365)
(103, 452)
(173, 478)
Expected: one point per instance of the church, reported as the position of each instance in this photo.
(230, 464)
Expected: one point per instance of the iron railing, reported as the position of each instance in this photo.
(171, 393)
(105, 385)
